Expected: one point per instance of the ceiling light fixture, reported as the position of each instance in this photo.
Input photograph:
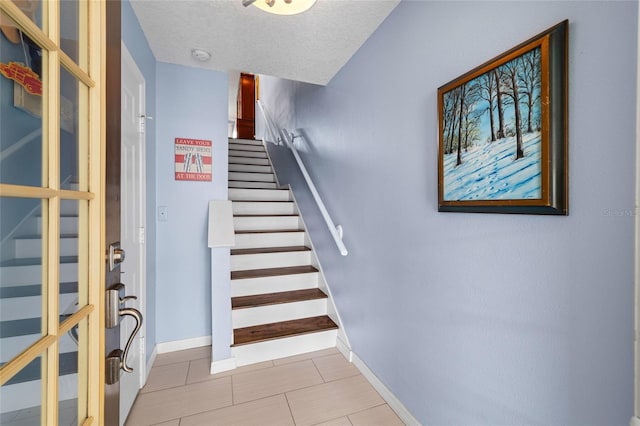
(281, 7)
(200, 55)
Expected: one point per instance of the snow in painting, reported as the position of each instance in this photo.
(491, 134)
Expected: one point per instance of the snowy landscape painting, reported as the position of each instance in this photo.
(502, 132)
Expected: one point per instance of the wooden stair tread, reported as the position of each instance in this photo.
(242, 302)
(268, 231)
(272, 272)
(277, 330)
(269, 250)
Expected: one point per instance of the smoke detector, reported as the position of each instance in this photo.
(200, 55)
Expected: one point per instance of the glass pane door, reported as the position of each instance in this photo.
(50, 231)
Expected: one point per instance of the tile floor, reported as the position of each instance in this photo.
(319, 388)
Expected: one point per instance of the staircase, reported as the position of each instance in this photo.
(280, 303)
(21, 313)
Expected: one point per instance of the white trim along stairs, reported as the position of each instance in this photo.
(281, 305)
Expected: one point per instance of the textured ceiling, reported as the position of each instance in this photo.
(309, 47)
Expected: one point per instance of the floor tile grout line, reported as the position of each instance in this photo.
(186, 377)
(180, 386)
(225, 407)
(233, 401)
(371, 408)
(318, 370)
(289, 405)
(177, 362)
(296, 389)
(307, 387)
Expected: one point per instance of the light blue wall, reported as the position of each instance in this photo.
(138, 47)
(474, 318)
(191, 103)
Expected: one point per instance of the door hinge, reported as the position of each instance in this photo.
(142, 124)
(141, 235)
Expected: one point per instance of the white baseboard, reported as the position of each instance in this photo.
(635, 421)
(223, 365)
(150, 362)
(180, 345)
(384, 391)
(344, 349)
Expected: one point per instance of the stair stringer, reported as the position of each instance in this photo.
(343, 343)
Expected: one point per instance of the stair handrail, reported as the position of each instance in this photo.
(336, 231)
(21, 143)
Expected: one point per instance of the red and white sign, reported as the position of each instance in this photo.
(193, 159)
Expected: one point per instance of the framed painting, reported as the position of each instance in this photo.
(503, 132)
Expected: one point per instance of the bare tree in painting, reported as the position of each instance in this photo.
(529, 80)
(510, 76)
(449, 115)
(497, 72)
(488, 90)
(463, 92)
(471, 113)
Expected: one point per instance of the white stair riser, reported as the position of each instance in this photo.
(245, 147)
(259, 194)
(263, 285)
(28, 275)
(68, 224)
(32, 247)
(258, 223)
(27, 394)
(280, 348)
(261, 185)
(275, 313)
(16, 308)
(12, 346)
(249, 168)
(277, 239)
(253, 154)
(263, 208)
(246, 141)
(243, 262)
(249, 160)
(252, 177)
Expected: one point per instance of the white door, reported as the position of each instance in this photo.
(132, 225)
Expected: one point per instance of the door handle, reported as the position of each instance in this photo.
(138, 317)
(117, 359)
(114, 310)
